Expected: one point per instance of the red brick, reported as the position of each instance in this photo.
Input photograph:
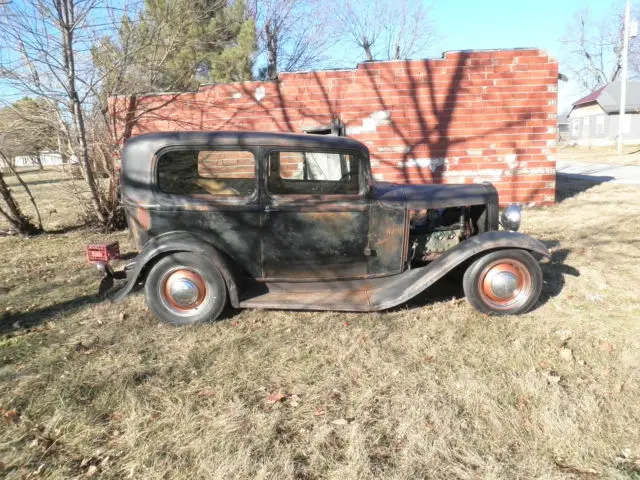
(501, 107)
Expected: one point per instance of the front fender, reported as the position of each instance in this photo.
(403, 287)
(178, 242)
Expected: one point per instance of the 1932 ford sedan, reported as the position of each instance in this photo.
(270, 220)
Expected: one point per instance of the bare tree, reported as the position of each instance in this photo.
(386, 29)
(44, 45)
(27, 128)
(292, 34)
(593, 49)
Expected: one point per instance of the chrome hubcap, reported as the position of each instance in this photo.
(504, 284)
(184, 292)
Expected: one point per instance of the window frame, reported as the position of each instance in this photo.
(206, 197)
(363, 174)
(575, 127)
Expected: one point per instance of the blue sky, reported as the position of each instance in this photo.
(488, 24)
(476, 24)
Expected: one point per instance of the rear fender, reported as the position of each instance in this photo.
(170, 242)
(403, 287)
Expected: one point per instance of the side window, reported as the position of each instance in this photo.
(313, 173)
(207, 172)
(575, 127)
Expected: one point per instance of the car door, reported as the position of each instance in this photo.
(211, 192)
(315, 221)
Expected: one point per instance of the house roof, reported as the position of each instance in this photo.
(608, 97)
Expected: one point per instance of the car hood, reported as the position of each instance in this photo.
(426, 196)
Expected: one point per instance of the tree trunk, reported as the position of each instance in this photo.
(26, 189)
(13, 214)
(396, 50)
(66, 14)
(272, 51)
(366, 45)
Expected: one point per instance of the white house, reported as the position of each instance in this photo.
(594, 119)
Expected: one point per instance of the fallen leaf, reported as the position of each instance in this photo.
(9, 416)
(565, 354)
(345, 324)
(319, 412)
(206, 393)
(522, 402)
(605, 346)
(563, 464)
(116, 416)
(234, 323)
(340, 421)
(122, 316)
(276, 397)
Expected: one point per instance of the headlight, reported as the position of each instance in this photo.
(511, 217)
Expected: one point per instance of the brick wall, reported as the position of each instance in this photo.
(470, 116)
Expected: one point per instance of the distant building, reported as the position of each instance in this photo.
(563, 127)
(46, 159)
(594, 119)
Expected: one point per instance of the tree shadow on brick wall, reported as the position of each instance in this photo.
(432, 133)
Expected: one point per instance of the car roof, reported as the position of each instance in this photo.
(233, 138)
(139, 152)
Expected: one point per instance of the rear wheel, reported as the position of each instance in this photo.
(505, 282)
(184, 289)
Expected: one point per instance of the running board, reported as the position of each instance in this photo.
(348, 301)
(359, 295)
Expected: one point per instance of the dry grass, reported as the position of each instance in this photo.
(630, 154)
(430, 390)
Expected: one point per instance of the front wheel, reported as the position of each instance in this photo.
(184, 288)
(504, 282)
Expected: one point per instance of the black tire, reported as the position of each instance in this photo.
(188, 269)
(504, 282)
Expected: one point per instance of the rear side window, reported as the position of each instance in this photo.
(229, 173)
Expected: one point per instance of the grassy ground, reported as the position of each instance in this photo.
(429, 390)
(630, 154)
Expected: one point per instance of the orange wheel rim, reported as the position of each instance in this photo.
(505, 284)
(184, 289)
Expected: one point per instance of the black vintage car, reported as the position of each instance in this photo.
(284, 221)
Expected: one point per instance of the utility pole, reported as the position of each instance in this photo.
(623, 73)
